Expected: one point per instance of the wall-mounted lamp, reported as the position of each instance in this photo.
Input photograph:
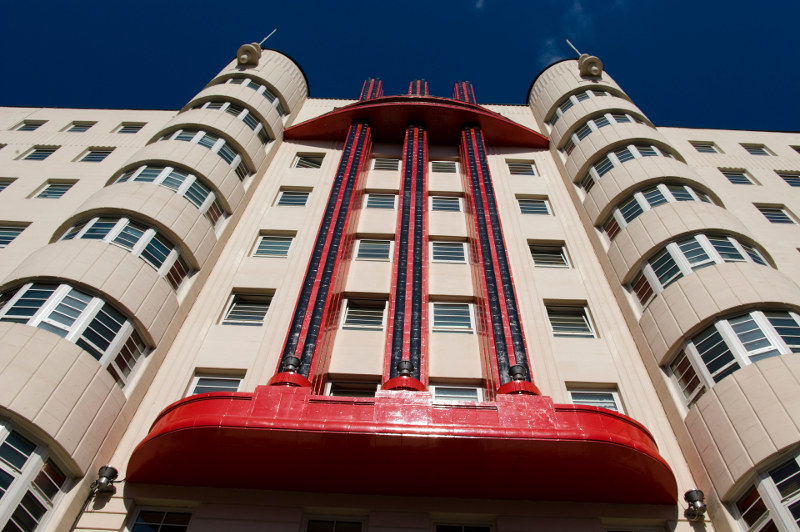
(291, 364)
(697, 504)
(405, 368)
(517, 372)
(105, 480)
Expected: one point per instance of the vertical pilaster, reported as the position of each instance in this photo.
(504, 350)
(464, 92)
(306, 349)
(372, 88)
(405, 362)
(418, 87)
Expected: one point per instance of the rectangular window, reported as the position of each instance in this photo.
(704, 147)
(521, 167)
(157, 521)
(533, 206)
(272, 246)
(308, 161)
(373, 249)
(549, 256)
(444, 167)
(385, 164)
(455, 393)
(641, 287)
(40, 153)
(4, 183)
(446, 203)
(96, 155)
(129, 128)
(364, 314)
(792, 179)
(292, 198)
(80, 127)
(452, 317)
(570, 322)
(247, 309)
(737, 177)
(30, 125)
(757, 149)
(601, 398)
(776, 215)
(214, 383)
(351, 388)
(54, 190)
(448, 252)
(381, 201)
(688, 381)
(8, 233)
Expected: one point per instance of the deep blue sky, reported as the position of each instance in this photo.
(720, 64)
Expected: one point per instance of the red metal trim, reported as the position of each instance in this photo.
(549, 452)
(423, 358)
(443, 118)
(287, 378)
(519, 387)
(404, 383)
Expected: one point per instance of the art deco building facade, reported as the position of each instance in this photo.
(396, 313)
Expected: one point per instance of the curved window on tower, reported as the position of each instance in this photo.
(216, 144)
(81, 318)
(596, 123)
(182, 183)
(240, 112)
(140, 239)
(682, 257)
(730, 344)
(773, 498)
(645, 199)
(617, 157)
(31, 482)
(261, 89)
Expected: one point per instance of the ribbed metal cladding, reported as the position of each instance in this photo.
(464, 92)
(372, 88)
(418, 87)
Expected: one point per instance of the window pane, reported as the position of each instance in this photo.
(695, 253)
(273, 246)
(787, 328)
(753, 338)
(630, 210)
(445, 203)
(373, 249)
(665, 268)
(293, 199)
(715, 354)
(599, 399)
(380, 201)
(364, 314)
(726, 249)
(386, 164)
(448, 252)
(521, 168)
(247, 310)
(16, 450)
(569, 322)
(549, 256)
(216, 384)
(130, 235)
(533, 206)
(452, 316)
(654, 196)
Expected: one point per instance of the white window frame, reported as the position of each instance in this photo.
(777, 509)
(282, 193)
(245, 298)
(464, 250)
(563, 309)
(271, 95)
(363, 303)
(50, 182)
(573, 99)
(308, 158)
(733, 343)
(10, 232)
(241, 113)
(189, 181)
(644, 205)
(702, 146)
(437, 165)
(553, 249)
(781, 208)
(237, 162)
(544, 201)
(361, 241)
(24, 478)
(434, 388)
(139, 247)
(362, 388)
(684, 265)
(392, 162)
(125, 125)
(595, 124)
(611, 393)
(266, 237)
(200, 375)
(384, 194)
(438, 197)
(74, 331)
(452, 329)
(521, 167)
(611, 160)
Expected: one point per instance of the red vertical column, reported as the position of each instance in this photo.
(418, 87)
(310, 336)
(405, 360)
(372, 88)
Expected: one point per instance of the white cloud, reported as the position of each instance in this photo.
(479, 4)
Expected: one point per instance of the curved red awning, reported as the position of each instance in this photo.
(443, 119)
(402, 443)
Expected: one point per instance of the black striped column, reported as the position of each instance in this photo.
(406, 344)
(504, 349)
(464, 92)
(320, 295)
(372, 88)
